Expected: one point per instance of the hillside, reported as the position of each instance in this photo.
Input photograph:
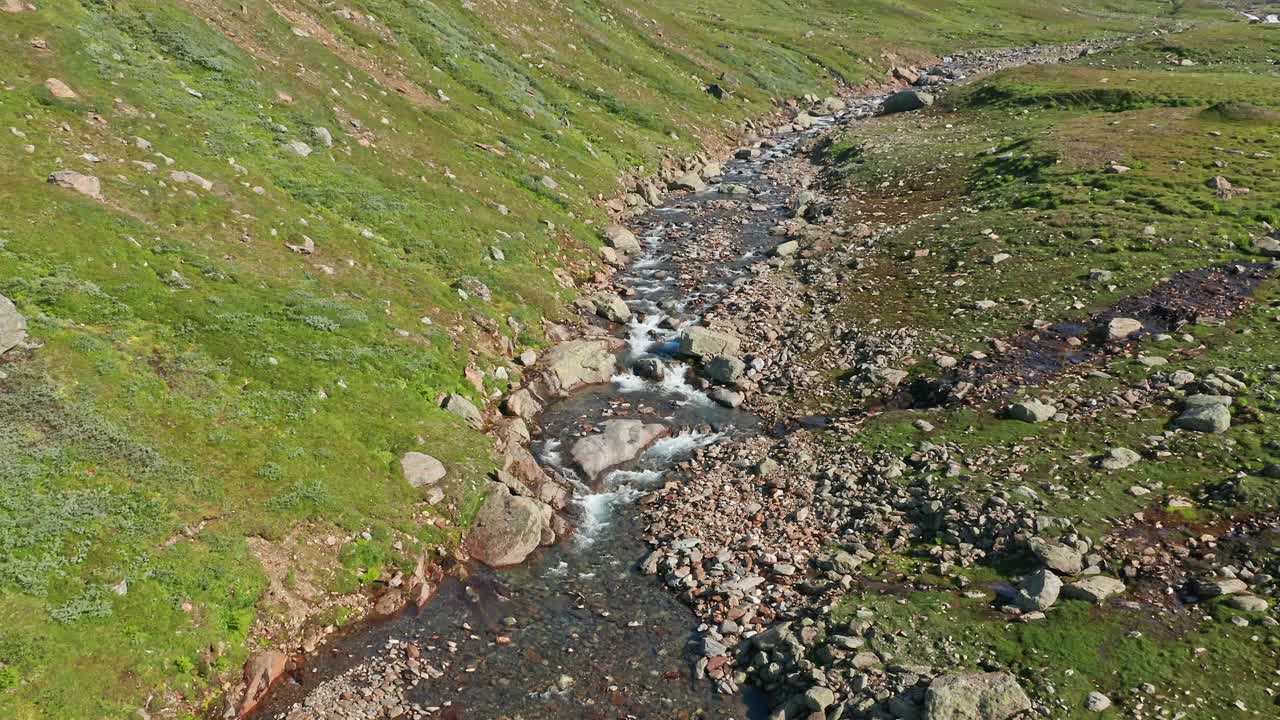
(256, 245)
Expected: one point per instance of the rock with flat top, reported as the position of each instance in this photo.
(620, 441)
(702, 343)
(59, 89)
(621, 239)
(1121, 328)
(1094, 589)
(975, 696)
(576, 363)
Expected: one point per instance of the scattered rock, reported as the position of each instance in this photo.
(83, 184)
(1212, 418)
(1121, 328)
(1097, 702)
(465, 409)
(421, 470)
(59, 89)
(1032, 411)
(1119, 458)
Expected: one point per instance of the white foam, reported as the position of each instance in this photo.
(550, 453)
(672, 447)
(673, 383)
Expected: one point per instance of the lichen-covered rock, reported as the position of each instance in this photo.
(576, 363)
(975, 696)
(701, 342)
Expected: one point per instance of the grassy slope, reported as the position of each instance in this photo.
(168, 418)
(1026, 152)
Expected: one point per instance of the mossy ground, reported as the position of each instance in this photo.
(199, 384)
(1019, 163)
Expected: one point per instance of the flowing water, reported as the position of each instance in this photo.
(591, 637)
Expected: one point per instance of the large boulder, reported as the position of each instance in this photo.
(1056, 556)
(13, 327)
(1038, 592)
(726, 369)
(689, 181)
(906, 101)
(975, 696)
(621, 239)
(507, 528)
(576, 363)
(702, 343)
(83, 184)
(421, 470)
(522, 404)
(1032, 411)
(465, 409)
(1212, 418)
(620, 441)
(611, 307)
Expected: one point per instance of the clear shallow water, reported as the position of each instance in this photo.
(580, 608)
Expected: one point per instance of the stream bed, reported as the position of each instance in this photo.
(576, 631)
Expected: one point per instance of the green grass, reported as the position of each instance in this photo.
(196, 374)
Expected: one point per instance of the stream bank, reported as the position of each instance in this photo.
(577, 631)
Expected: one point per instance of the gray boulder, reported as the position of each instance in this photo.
(465, 409)
(1039, 591)
(725, 397)
(13, 327)
(507, 528)
(580, 362)
(725, 369)
(620, 441)
(1204, 418)
(1056, 556)
(975, 696)
(83, 184)
(421, 470)
(689, 181)
(1032, 411)
(1094, 588)
(1118, 329)
(611, 307)
(621, 239)
(906, 101)
(702, 343)
(1118, 458)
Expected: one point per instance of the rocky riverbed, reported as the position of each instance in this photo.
(702, 519)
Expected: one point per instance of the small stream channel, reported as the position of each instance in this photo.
(588, 635)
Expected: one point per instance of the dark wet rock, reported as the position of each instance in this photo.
(906, 101)
(650, 368)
